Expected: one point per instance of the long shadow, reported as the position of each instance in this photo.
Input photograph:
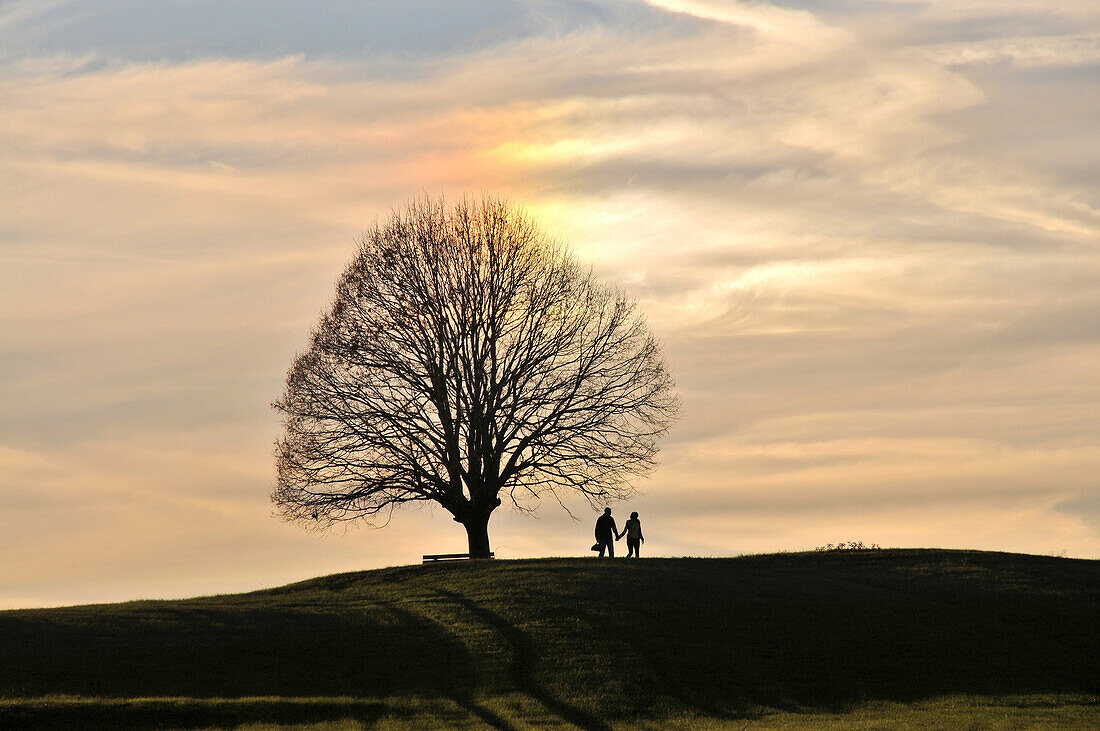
(484, 713)
(525, 657)
(662, 680)
(454, 678)
(174, 651)
(185, 713)
(831, 632)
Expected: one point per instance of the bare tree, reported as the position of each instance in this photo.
(467, 358)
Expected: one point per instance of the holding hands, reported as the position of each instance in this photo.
(606, 528)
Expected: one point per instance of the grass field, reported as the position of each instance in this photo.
(866, 639)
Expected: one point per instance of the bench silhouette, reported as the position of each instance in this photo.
(433, 557)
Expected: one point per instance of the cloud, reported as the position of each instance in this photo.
(867, 246)
(1027, 53)
(791, 26)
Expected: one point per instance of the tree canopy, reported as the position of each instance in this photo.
(467, 358)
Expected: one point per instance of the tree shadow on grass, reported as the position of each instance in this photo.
(185, 713)
(832, 632)
(525, 658)
(203, 666)
(457, 680)
(226, 652)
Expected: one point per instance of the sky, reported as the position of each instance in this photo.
(865, 231)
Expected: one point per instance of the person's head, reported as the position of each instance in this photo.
(634, 515)
(607, 511)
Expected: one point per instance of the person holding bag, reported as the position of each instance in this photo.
(606, 534)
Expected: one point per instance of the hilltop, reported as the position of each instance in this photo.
(871, 634)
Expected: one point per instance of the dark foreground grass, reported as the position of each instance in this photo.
(852, 639)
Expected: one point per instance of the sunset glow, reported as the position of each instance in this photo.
(866, 234)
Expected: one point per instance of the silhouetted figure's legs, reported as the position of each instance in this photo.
(633, 548)
(610, 546)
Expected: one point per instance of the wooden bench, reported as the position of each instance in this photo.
(432, 558)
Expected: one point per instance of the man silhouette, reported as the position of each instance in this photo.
(606, 532)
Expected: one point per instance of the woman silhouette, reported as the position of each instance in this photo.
(633, 532)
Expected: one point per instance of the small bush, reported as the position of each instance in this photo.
(849, 546)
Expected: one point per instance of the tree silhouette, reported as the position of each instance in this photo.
(467, 358)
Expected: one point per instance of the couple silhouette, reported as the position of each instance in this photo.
(607, 534)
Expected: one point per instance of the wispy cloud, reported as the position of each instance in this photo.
(868, 248)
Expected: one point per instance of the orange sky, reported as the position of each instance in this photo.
(866, 235)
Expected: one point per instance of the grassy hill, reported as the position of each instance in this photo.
(854, 638)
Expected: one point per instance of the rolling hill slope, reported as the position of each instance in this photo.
(576, 641)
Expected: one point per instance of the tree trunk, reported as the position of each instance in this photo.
(477, 530)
